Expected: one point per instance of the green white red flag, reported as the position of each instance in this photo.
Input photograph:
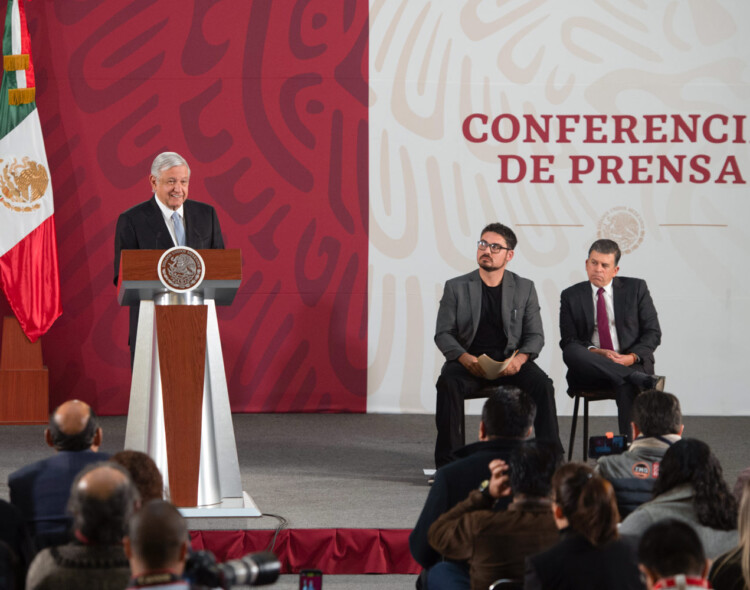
(28, 247)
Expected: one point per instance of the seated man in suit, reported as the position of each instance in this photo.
(166, 220)
(41, 490)
(495, 312)
(609, 330)
(656, 425)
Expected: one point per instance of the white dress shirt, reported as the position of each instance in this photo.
(167, 213)
(609, 302)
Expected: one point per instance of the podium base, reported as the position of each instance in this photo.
(228, 508)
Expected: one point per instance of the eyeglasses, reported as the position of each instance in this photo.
(494, 248)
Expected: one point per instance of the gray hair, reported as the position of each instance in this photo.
(103, 521)
(167, 160)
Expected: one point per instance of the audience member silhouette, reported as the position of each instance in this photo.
(691, 488)
(157, 546)
(670, 555)
(590, 555)
(731, 571)
(656, 425)
(507, 420)
(41, 490)
(143, 472)
(496, 543)
(102, 501)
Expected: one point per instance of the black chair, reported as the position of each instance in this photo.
(592, 395)
(588, 395)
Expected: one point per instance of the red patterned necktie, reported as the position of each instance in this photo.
(602, 321)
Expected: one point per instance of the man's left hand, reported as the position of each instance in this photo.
(515, 364)
(622, 359)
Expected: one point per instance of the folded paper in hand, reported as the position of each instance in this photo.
(492, 368)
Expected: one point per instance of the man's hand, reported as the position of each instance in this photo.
(499, 479)
(620, 359)
(471, 364)
(515, 364)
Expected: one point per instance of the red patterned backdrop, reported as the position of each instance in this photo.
(268, 103)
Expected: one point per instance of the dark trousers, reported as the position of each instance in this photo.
(455, 384)
(588, 370)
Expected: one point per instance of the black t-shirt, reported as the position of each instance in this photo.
(490, 338)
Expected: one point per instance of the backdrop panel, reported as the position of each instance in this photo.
(268, 103)
(569, 122)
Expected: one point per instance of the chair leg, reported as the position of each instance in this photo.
(585, 430)
(573, 429)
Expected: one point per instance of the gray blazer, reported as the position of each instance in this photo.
(461, 308)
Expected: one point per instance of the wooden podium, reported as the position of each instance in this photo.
(24, 380)
(179, 403)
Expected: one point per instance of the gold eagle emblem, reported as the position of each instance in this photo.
(22, 184)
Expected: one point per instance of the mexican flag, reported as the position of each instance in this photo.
(28, 247)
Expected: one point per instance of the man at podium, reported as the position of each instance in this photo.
(165, 220)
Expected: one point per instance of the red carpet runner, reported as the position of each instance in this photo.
(333, 551)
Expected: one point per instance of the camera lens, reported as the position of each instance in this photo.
(255, 569)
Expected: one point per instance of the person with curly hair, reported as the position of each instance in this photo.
(690, 488)
(144, 472)
(731, 571)
(590, 555)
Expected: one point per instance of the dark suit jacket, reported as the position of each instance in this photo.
(461, 308)
(143, 228)
(636, 319)
(453, 482)
(41, 491)
(575, 564)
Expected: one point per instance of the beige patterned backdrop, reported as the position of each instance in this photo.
(431, 191)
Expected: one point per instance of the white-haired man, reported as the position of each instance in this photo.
(167, 219)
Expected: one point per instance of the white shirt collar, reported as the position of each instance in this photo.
(607, 289)
(167, 212)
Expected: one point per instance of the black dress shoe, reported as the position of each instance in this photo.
(655, 382)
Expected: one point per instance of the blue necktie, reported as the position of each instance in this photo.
(179, 230)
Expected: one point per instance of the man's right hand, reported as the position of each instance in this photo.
(499, 479)
(471, 364)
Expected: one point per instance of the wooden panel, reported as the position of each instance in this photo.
(24, 397)
(181, 337)
(140, 265)
(17, 352)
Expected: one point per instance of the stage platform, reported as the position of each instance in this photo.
(356, 479)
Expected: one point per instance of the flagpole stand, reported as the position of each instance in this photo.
(24, 380)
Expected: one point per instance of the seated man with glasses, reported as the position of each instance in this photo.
(495, 312)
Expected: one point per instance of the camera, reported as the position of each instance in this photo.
(609, 444)
(254, 569)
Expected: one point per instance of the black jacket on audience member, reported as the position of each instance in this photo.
(576, 564)
(453, 482)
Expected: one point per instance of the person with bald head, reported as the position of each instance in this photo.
(157, 546)
(102, 501)
(41, 490)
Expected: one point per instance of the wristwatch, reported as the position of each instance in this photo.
(484, 489)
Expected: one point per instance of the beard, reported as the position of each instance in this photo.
(486, 263)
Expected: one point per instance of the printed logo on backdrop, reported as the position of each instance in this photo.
(23, 183)
(181, 269)
(623, 225)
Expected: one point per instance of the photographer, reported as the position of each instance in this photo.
(157, 547)
(656, 425)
